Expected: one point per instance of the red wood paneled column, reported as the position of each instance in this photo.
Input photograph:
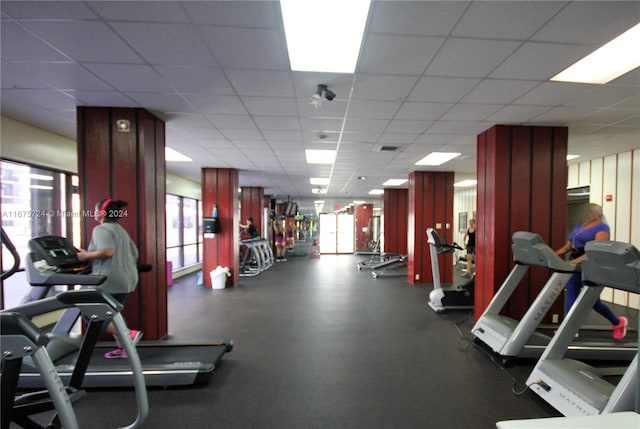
(220, 187)
(395, 212)
(129, 165)
(251, 205)
(522, 182)
(363, 214)
(430, 206)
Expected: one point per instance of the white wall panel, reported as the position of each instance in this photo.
(621, 198)
(609, 181)
(595, 189)
(635, 200)
(573, 177)
(585, 174)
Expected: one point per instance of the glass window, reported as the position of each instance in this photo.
(190, 254)
(34, 203)
(184, 245)
(190, 216)
(173, 221)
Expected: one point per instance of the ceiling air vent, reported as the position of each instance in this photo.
(388, 148)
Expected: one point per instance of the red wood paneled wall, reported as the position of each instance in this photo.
(522, 182)
(430, 206)
(220, 187)
(363, 214)
(396, 216)
(129, 166)
(251, 205)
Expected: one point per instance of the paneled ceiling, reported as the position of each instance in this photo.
(430, 77)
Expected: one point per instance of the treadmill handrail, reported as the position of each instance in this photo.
(529, 248)
(65, 300)
(14, 254)
(101, 306)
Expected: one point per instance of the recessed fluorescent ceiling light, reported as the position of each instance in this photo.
(606, 63)
(319, 191)
(324, 35)
(376, 192)
(438, 158)
(319, 180)
(174, 155)
(315, 156)
(465, 183)
(395, 182)
(570, 157)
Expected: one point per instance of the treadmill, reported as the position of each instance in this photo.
(573, 387)
(510, 338)
(445, 297)
(53, 261)
(397, 268)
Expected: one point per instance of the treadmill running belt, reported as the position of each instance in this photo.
(162, 366)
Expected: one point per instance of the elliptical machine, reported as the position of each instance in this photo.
(445, 297)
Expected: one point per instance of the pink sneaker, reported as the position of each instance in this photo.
(135, 336)
(116, 354)
(620, 330)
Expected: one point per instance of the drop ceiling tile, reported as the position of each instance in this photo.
(65, 75)
(539, 61)
(592, 22)
(232, 121)
(234, 134)
(247, 47)
(85, 41)
(551, 94)
(401, 126)
(366, 125)
(602, 96)
(565, 114)
(285, 106)
(469, 57)
(216, 104)
(165, 43)
(442, 89)
(196, 80)
(161, 102)
(397, 138)
(417, 18)
(451, 127)
(404, 55)
(516, 114)
(103, 98)
(373, 109)
(234, 13)
(19, 44)
(261, 82)
(46, 10)
(515, 20)
(281, 135)
(277, 122)
(422, 111)
(130, 77)
(383, 87)
(498, 91)
(13, 76)
(141, 11)
(470, 112)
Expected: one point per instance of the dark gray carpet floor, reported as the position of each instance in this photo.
(319, 344)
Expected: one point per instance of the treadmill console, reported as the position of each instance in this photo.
(57, 251)
(63, 263)
(612, 263)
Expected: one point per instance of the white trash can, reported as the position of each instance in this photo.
(219, 277)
